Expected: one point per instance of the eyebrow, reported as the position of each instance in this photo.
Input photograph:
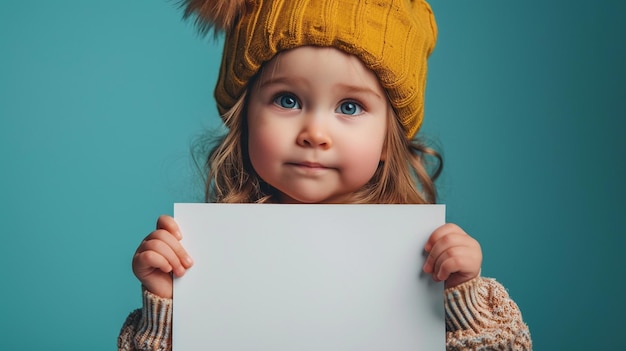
(277, 80)
(346, 87)
(359, 90)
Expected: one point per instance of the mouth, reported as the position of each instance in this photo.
(310, 166)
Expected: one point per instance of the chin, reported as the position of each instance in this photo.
(288, 199)
(312, 199)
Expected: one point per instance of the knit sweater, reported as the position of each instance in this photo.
(480, 315)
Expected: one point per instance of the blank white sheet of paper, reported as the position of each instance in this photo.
(307, 277)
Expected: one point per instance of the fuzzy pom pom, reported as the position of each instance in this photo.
(216, 15)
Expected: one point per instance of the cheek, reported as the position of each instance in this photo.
(263, 148)
(362, 160)
(257, 149)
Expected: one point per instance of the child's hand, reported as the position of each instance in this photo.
(159, 256)
(454, 256)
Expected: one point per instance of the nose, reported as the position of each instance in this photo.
(314, 133)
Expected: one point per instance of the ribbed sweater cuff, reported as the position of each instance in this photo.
(155, 326)
(480, 315)
(467, 305)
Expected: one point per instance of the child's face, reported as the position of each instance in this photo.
(317, 120)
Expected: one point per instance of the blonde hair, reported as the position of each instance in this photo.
(406, 176)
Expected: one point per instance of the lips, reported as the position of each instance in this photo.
(311, 166)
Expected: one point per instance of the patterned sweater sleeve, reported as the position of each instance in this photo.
(480, 315)
(148, 328)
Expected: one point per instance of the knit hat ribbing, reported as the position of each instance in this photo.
(393, 38)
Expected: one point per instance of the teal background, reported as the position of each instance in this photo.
(100, 102)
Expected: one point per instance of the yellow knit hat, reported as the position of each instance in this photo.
(393, 38)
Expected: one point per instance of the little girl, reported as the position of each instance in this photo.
(322, 100)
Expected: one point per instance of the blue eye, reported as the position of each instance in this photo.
(349, 108)
(287, 101)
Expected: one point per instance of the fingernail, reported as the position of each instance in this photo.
(188, 261)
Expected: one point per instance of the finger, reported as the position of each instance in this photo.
(161, 249)
(146, 262)
(176, 246)
(444, 242)
(440, 232)
(451, 261)
(169, 224)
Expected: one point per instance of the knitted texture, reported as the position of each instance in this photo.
(149, 328)
(479, 316)
(393, 38)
